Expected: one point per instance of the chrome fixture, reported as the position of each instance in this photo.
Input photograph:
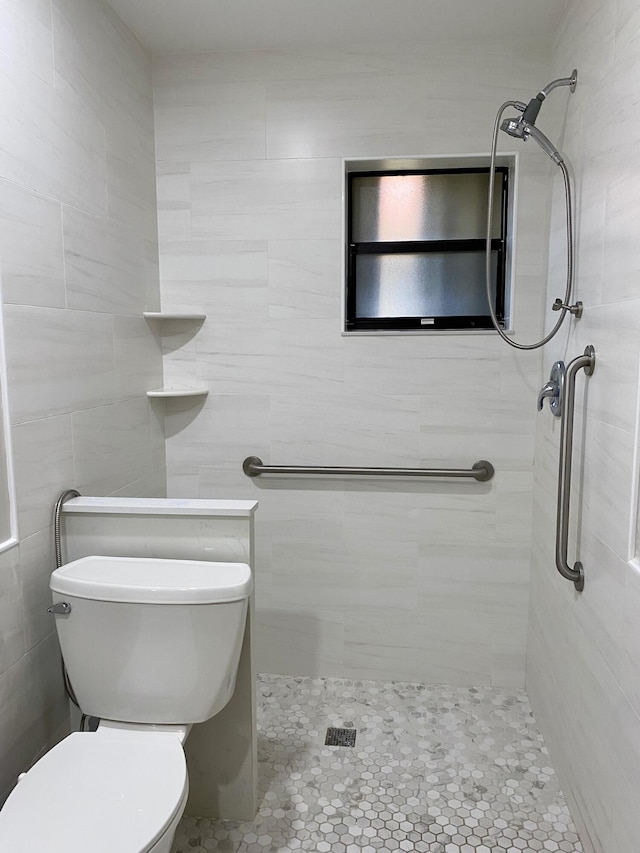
(523, 127)
(587, 362)
(62, 608)
(57, 544)
(553, 389)
(576, 310)
(481, 471)
(57, 511)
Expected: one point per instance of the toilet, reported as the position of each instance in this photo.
(151, 647)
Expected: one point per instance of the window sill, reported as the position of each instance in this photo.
(376, 333)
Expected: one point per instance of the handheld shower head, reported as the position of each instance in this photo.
(523, 127)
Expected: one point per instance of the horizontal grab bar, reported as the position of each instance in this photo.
(482, 470)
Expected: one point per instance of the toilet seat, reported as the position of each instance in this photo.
(97, 792)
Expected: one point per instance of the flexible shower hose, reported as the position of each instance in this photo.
(569, 221)
(57, 543)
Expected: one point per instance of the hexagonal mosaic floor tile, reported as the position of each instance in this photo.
(435, 769)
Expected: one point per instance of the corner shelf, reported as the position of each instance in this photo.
(175, 393)
(165, 315)
(169, 393)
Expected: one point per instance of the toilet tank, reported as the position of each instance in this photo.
(150, 640)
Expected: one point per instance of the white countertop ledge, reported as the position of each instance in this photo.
(160, 506)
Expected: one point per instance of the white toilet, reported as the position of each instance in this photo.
(151, 647)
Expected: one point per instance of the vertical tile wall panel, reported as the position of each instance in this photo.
(78, 261)
(352, 574)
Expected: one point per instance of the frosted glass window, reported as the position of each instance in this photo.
(423, 207)
(416, 249)
(422, 285)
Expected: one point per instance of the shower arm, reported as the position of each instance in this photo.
(561, 81)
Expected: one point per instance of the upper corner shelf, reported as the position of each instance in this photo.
(173, 315)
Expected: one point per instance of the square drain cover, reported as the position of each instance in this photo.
(340, 737)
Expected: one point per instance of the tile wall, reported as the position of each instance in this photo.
(583, 666)
(384, 580)
(78, 261)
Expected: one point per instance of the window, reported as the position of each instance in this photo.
(416, 248)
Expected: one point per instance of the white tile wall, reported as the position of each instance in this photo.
(401, 580)
(582, 671)
(78, 263)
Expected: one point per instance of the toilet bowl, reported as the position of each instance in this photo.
(137, 637)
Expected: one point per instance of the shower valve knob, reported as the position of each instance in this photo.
(576, 310)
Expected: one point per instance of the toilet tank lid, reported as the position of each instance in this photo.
(150, 580)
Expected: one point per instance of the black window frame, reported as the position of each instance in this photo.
(425, 324)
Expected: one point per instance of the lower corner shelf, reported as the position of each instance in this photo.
(168, 393)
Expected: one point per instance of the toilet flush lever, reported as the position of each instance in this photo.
(553, 389)
(61, 608)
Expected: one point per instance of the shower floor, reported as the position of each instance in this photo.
(434, 768)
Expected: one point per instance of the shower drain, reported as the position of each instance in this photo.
(340, 737)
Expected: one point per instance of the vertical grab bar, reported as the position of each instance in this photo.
(575, 574)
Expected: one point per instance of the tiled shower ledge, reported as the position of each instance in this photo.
(437, 769)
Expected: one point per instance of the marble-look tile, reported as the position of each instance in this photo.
(26, 35)
(432, 513)
(344, 574)
(629, 660)
(514, 507)
(300, 641)
(358, 116)
(77, 134)
(580, 670)
(605, 490)
(285, 518)
(249, 356)
(384, 640)
(43, 462)
(366, 429)
(104, 264)
(334, 399)
(305, 279)
(49, 144)
(12, 610)
(267, 199)
(37, 561)
(111, 445)
(151, 275)
(621, 227)
(230, 274)
(602, 605)
(33, 709)
(204, 122)
(173, 189)
(228, 428)
(31, 246)
(131, 185)
(137, 357)
(100, 61)
(152, 485)
(57, 361)
(422, 365)
(209, 261)
(432, 769)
